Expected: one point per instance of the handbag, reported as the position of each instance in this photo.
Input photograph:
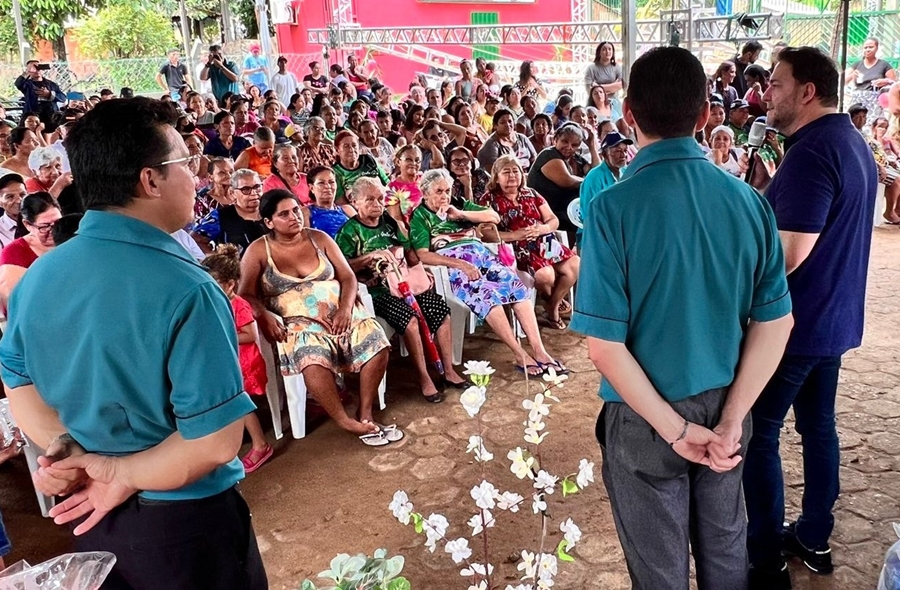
(415, 277)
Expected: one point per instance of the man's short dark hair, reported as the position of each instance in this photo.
(810, 65)
(667, 92)
(856, 109)
(751, 47)
(106, 92)
(214, 48)
(110, 145)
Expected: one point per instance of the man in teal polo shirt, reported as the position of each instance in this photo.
(121, 355)
(223, 74)
(614, 149)
(684, 299)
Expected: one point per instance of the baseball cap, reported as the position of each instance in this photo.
(8, 177)
(614, 138)
(722, 129)
(740, 104)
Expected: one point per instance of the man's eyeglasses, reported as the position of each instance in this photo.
(186, 160)
(249, 190)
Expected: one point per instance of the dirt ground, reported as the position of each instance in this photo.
(329, 494)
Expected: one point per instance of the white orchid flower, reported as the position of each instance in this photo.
(459, 550)
(538, 504)
(527, 566)
(585, 474)
(483, 494)
(476, 444)
(532, 436)
(435, 527)
(518, 587)
(482, 585)
(476, 569)
(545, 481)
(521, 466)
(509, 501)
(472, 399)
(547, 567)
(401, 507)
(537, 408)
(478, 521)
(571, 532)
(550, 376)
(479, 368)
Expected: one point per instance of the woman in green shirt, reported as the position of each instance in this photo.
(352, 164)
(443, 235)
(369, 240)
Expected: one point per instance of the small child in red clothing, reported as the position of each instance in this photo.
(225, 267)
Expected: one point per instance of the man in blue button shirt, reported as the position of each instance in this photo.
(823, 196)
(684, 301)
(120, 358)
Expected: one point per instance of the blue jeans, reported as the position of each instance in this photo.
(809, 384)
(5, 546)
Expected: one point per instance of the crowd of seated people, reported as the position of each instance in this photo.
(350, 184)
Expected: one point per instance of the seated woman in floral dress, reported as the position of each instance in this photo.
(528, 223)
(301, 275)
(443, 235)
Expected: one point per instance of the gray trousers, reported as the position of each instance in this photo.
(663, 504)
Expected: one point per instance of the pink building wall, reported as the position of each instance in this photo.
(414, 13)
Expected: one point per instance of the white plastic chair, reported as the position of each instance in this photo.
(295, 389)
(459, 311)
(574, 213)
(31, 452)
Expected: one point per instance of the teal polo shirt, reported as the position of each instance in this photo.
(594, 182)
(130, 340)
(677, 257)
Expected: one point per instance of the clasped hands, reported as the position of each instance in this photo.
(717, 448)
(91, 482)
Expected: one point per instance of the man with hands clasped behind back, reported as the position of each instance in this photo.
(685, 303)
(145, 444)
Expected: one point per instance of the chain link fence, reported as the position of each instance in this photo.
(90, 77)
(819, 31)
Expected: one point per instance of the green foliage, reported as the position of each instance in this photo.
(359, 572)
(126, 31)
(569, 487)
(42, 19)
(561, 551)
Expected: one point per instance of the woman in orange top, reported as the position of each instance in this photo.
(258, 157)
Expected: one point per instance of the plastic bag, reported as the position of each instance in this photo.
(73, 571)
(890, 573)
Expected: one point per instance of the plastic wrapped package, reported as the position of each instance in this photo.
(890, 573)
(73, 571)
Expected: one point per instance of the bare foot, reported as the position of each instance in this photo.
(529, 364)
(359, 427)
(428, 387)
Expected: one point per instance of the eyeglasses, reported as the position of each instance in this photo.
(186, 160)
(249, 190)
(43, 228)
(460, 162)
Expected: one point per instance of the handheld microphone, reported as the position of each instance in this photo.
(755, 141)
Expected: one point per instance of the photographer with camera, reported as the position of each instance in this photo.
(42, 96)
(222, 74)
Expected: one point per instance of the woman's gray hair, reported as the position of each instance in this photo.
(242, 173)
(593, 110)
(362, 184)
(280, 149)
(432, 176)
(312, 120)
(43, 156)
(572, 129)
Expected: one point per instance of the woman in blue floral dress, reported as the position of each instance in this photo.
(443, 235)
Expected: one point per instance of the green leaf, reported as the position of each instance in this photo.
(307, 585)
(569, 487)
(418, 521)
(399, 584)
(561, 551)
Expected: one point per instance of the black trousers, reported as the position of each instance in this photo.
(180, 545)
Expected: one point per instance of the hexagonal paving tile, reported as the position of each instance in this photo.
(432, 467)
(431, 445)
(390, 461)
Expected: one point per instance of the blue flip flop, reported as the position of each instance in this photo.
(556, 366)
(522, 369)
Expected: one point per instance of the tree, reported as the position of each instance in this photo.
(126, 31)
(44, 19)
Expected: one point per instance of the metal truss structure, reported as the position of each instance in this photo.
(702, 29)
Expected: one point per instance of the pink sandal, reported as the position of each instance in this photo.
(254, 459)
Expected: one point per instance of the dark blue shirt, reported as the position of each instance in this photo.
(826, 185)
(216, 148)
